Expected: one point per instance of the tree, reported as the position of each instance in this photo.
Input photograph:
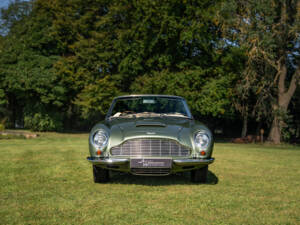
(208, 90)
(269, 31)
(28, 79)
(15, 12)
(122, 43)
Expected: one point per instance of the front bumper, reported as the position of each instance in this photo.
(193, 162)
(178, 162)
(107, 161)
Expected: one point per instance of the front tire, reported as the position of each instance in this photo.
(100, 175)
(199, 175)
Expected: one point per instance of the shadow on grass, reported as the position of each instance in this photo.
(174, 179)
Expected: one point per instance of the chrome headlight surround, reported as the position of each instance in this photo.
(100, 138)
(202, 140)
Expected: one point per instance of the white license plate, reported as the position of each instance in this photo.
(151, 163)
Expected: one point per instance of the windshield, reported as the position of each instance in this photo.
(149, 106)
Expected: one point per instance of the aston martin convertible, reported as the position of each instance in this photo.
(150, 135)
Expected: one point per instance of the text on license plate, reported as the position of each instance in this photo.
(150, 163)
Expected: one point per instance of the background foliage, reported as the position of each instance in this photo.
(63, 61)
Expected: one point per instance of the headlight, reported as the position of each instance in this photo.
(100, 138)
(202, 140)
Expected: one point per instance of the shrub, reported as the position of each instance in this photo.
(43, 122)
(2, 127)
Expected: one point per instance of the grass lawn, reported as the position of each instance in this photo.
(47, 180)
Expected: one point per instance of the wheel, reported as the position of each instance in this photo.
(199, 175)
(100, 175)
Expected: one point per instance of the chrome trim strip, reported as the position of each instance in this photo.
(184, 162)
(107, 161)
(181, 162)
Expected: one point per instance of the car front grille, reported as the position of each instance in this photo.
(151, 171)
(150, 147)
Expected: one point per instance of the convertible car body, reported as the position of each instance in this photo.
(152, 135)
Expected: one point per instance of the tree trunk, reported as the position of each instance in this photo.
(245, 123)
(284, 98)
(12, 115)
(275, 132)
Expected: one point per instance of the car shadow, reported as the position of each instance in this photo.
(174, 179)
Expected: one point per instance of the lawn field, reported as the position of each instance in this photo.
(47, 180)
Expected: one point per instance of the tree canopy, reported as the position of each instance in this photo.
(63, 61)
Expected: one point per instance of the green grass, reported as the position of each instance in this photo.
(48, 181)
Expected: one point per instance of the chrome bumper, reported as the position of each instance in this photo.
(179, 162)
(193, 162)
(99, 161)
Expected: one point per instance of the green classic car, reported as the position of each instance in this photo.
(150, 135)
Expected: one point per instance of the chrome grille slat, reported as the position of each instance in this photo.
(150, 171)
(150, 147)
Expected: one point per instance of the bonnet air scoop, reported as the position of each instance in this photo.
(149, 124)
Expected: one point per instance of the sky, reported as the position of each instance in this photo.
(4, 3)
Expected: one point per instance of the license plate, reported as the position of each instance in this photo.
(150, 163)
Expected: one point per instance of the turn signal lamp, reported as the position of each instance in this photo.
(99, 152)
